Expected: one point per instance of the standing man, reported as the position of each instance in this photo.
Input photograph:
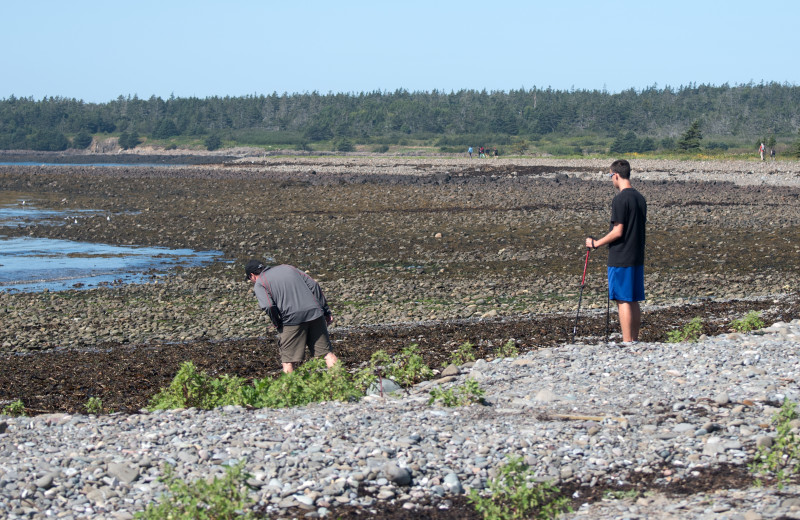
(625, 242)
(470, 152)
(297, 307)
(761, 150)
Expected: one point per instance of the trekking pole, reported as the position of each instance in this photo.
(580, 298)
(608, 309)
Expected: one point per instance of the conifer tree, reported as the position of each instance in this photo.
(690, 140)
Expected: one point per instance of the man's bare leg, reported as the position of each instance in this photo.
(330, 360)
(630, 319)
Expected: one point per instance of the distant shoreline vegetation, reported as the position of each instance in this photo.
(716, 119)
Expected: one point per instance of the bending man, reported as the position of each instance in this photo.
(297, 307)
(626, 241)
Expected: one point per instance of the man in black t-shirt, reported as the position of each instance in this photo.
(626, 241)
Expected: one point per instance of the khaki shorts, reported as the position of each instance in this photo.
(293, 340)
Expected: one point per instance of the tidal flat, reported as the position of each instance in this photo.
(434, 251)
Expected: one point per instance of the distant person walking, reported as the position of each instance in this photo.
(297, 307)
(470, 152)
(772, 153)
(626, 242)
(762, 150)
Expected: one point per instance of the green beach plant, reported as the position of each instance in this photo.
(462, 395)
(406, 368)
(690, 332)
(225, 498)
(514, 494)
(782, 458)
(191, 388)
(750, 322)
(15, 409)
(464, 354)
(94, 405)
(507, 349)
(311, 382)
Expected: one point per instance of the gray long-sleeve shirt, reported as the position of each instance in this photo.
(297, 296)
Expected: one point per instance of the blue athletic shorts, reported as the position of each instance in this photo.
(626, 284)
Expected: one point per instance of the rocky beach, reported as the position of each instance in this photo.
(435, 251)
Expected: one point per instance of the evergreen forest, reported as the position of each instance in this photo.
(692, 117)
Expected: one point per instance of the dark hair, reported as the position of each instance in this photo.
(622, 168)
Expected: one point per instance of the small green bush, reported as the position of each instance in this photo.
(94, 405)
(221, 499)
(507, 349)
(310, 382)
(628, 494)
(192, 389)
(782, 459)
(15, 409)
(381, 148)
(751, 321)
(689, 333)
(406, 368)
(468, 393)
(464, 354)
(514, 494)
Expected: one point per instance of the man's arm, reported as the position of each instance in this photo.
(268, 305)
(611, 236)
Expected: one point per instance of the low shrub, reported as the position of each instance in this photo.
(514, 494)
(468, 393)
(311, 382)
(406, 368)
(15, 409)
(783, 457)
(690, 332)
(750, 322)
(507, 349)
(464, 354)
(223, 498)
(193, 389)
(94, 405)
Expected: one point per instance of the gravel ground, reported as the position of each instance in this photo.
(592, 415)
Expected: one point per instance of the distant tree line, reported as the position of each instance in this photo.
(635, 120)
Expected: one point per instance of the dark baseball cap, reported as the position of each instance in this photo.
(253, 267)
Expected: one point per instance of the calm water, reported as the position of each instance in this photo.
(34, 264)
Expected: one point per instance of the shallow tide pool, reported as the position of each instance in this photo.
(34, 264)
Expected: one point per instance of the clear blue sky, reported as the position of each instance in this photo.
(97, 51)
